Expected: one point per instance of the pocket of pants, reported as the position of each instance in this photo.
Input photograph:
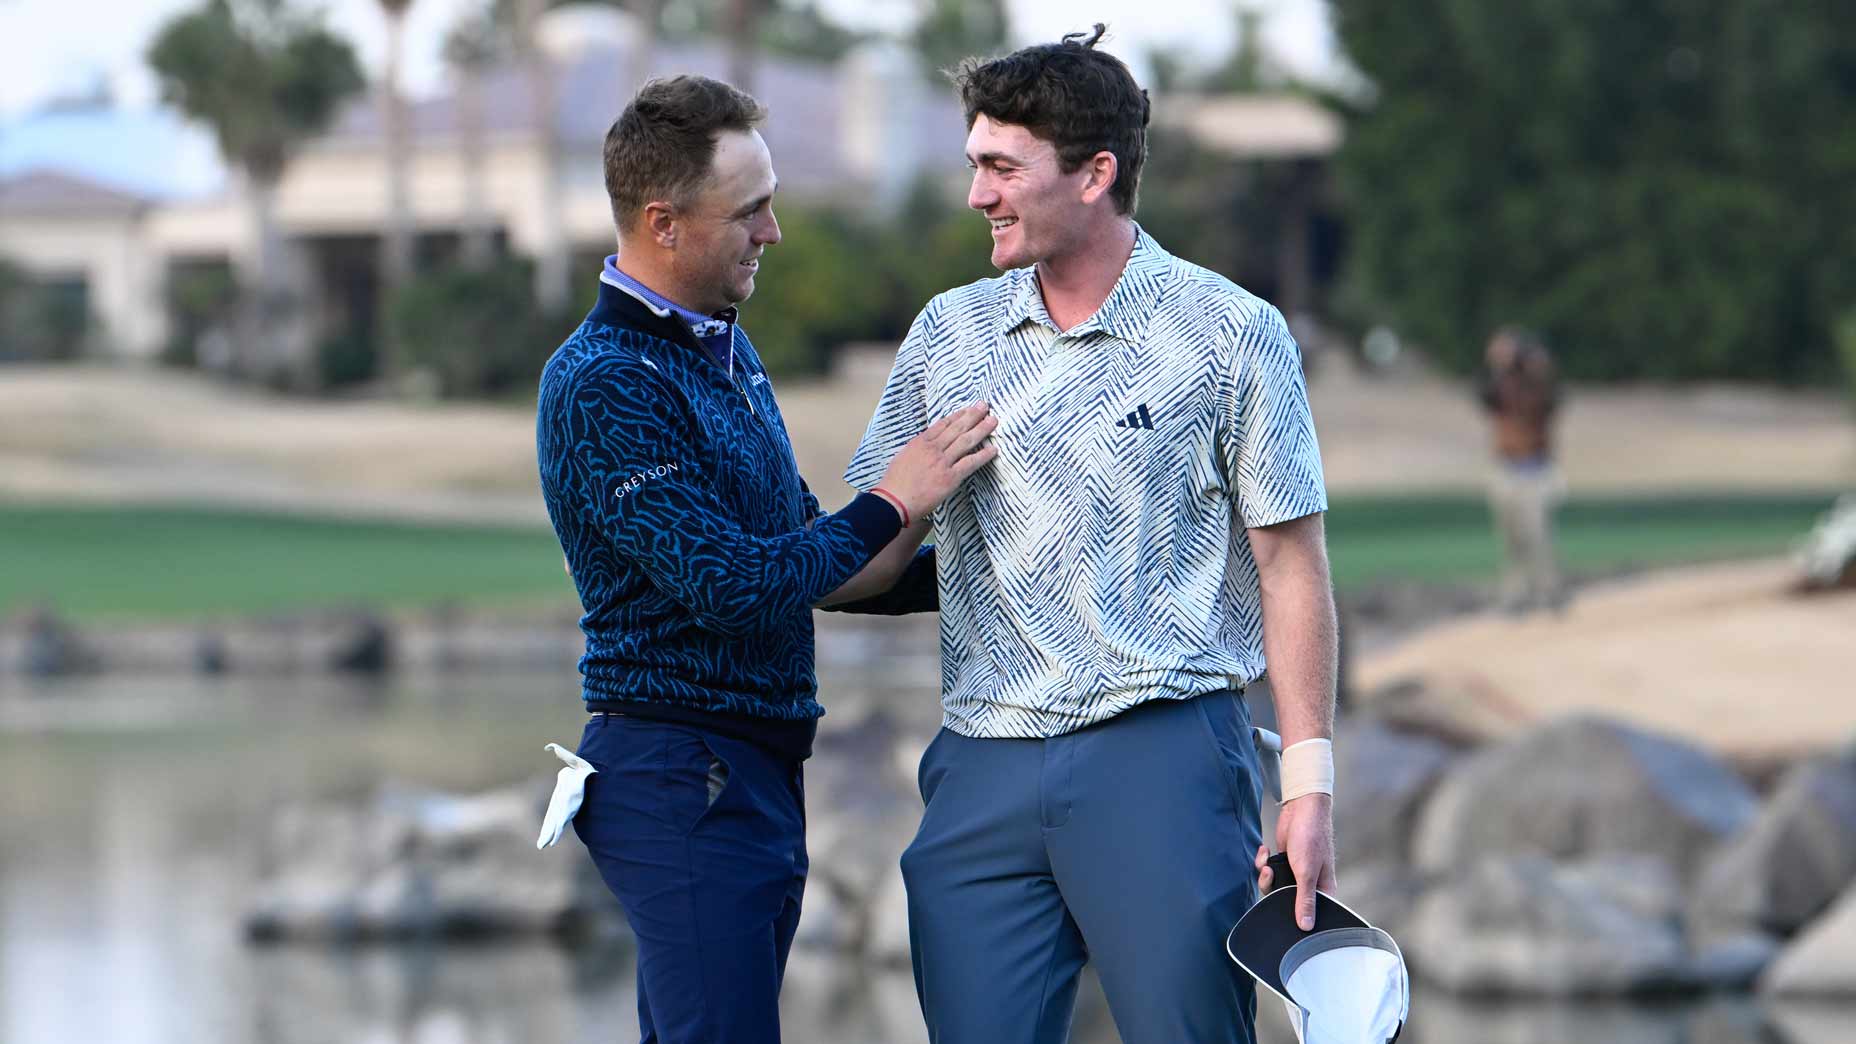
(1227, 730)
(662, 778)
(934, 766)
(717, 779)
(696, 769)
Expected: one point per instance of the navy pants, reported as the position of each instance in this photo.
(1129, 844)
(702, 838)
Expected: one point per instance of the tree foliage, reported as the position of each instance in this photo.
(950, 30)
(793, 28)
(479, 331)
(478, 38)
(265, 77)
(262, 75)
(1661, 186)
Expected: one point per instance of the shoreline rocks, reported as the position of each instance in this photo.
(1584, 787)
(410, 864)
(1594, 877)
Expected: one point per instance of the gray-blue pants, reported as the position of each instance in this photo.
(1129, 843)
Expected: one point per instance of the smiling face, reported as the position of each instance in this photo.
(721, 233)
(1035, 209)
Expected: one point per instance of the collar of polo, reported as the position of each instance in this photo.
(1124, 314)
(664, 308)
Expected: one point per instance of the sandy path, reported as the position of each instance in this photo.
(152, 436)
(1723, 655)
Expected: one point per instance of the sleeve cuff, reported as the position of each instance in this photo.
(872, 519)
(917, 591)
(1314, 502)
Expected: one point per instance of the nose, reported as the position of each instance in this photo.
(769, 232)
(981, 195)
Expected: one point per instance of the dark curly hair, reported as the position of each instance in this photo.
(1081, 100)
(662, 145)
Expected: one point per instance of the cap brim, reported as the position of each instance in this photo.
(1267, 930)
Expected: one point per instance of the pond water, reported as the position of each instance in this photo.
(133, 809)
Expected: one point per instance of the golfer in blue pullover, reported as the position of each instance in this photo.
(699, 555)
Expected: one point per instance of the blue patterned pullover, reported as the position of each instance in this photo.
(697, 549)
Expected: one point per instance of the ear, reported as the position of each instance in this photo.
(660, 224)
(1101, 168)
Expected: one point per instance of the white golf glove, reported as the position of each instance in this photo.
(569, 789)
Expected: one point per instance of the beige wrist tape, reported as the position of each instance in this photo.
(1308, 768)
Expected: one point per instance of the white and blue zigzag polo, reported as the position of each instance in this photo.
(1100, 561)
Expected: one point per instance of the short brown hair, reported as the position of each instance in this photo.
(1081, 100)
(662, 145)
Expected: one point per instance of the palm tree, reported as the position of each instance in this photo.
(264, 78)
(743, 29)
(471, 49)
(950, 30)
(396, 253)
(649, 14)
(552, 286)
(396, 241)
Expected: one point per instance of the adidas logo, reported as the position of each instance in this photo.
(1138, 419)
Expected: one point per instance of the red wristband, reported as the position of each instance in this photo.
(895, 502)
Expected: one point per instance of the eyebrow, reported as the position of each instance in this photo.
(995, 157)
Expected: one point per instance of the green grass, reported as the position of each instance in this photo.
(102, 562)
(1449, 539)
(116, 562)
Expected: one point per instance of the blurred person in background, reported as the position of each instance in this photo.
(1150, 535)
(699, 553)
(1519, 389)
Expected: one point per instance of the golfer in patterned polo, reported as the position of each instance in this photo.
(1148, 539)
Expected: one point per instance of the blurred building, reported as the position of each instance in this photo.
(516, 158)
(1298, 133)
(485, 155)
(88, 243)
